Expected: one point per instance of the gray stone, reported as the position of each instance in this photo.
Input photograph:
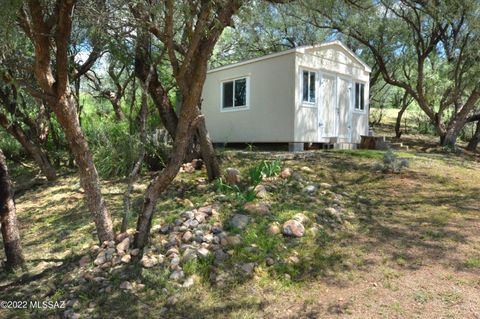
(177, 274)
(126, 285)
(247, 268)
(188, 214)
(310, 189)
(239, 221)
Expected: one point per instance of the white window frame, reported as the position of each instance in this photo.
(309, 103)
(355, 109)
(247, 93)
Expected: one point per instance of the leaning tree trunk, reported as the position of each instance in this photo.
(473, 143)
(34, 151)
(8, 219)
(89, 180)
(186, 124)
(405, 104)
(207, 150)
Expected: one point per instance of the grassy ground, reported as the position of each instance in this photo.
(411, 249)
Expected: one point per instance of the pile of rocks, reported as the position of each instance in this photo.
(191, 236)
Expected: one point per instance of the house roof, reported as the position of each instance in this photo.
(301, 49)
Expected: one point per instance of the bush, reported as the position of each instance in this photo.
(392, 163)
(264, 169)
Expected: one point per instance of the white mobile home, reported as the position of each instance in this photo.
(315, 94)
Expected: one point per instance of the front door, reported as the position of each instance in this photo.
(327, 106)
(343, 110)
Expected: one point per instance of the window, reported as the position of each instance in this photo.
(308, 86)
(234, 93)
(359, 96)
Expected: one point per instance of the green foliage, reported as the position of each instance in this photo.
(10, 147)
(114, 150)
(264, 169)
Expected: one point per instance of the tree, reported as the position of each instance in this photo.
(49, 31)
(8, 219)
(30, 133)
(426, 48)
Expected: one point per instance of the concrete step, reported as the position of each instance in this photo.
(345, 146)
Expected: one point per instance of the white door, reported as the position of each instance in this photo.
(326, 106)
(344, 113)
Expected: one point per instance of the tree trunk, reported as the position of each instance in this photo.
(119, 115)
(67, 117)
(35, 152)
(8, 219)
(473, 143)
(405, 104)
(161, 182)
(138, 164)
(207, 150)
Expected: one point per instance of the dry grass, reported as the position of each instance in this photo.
(412, 250)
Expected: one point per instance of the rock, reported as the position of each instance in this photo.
(306, 169)
(101, 259)
(188, 203)
(203, 252)
(171, 301)
(293, 260)
(188, 214)
(189, 254)
(260, 191)
(300, 217)
(206, 210)
(310, 189)
(165, 229)
(239, 221)
(293, 228)
(273, 229)
(190, 281)
(126, 258)
(257, 208)
(187, 236)
(233, 176)
(269, 261)
(120, 237)
(217, 228)
(247, 268)
(126, 285)
(123, 246)
(148, 261)
(177, 274)
(200, 217)
(85, 260)
(220, 256)
(286, 172)
(135, 252)
(95, 249)
(325, 185)
(234, 240)
(155, 229)
(191, 223)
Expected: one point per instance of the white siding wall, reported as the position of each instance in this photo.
(270, 115)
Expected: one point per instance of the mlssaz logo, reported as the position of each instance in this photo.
(47, 304)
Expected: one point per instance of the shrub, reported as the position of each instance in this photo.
(392, 163)
(264, 169)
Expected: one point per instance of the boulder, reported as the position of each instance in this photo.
(286, 172)
(123, 246)
(273, 229)
(293, 228)
(148, 261)
(233, 176)
(310, 189)
(300, 217)
(257, 208)
(260, 191)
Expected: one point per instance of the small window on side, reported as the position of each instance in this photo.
(234, 93)
(308, 86)
(359, 102)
